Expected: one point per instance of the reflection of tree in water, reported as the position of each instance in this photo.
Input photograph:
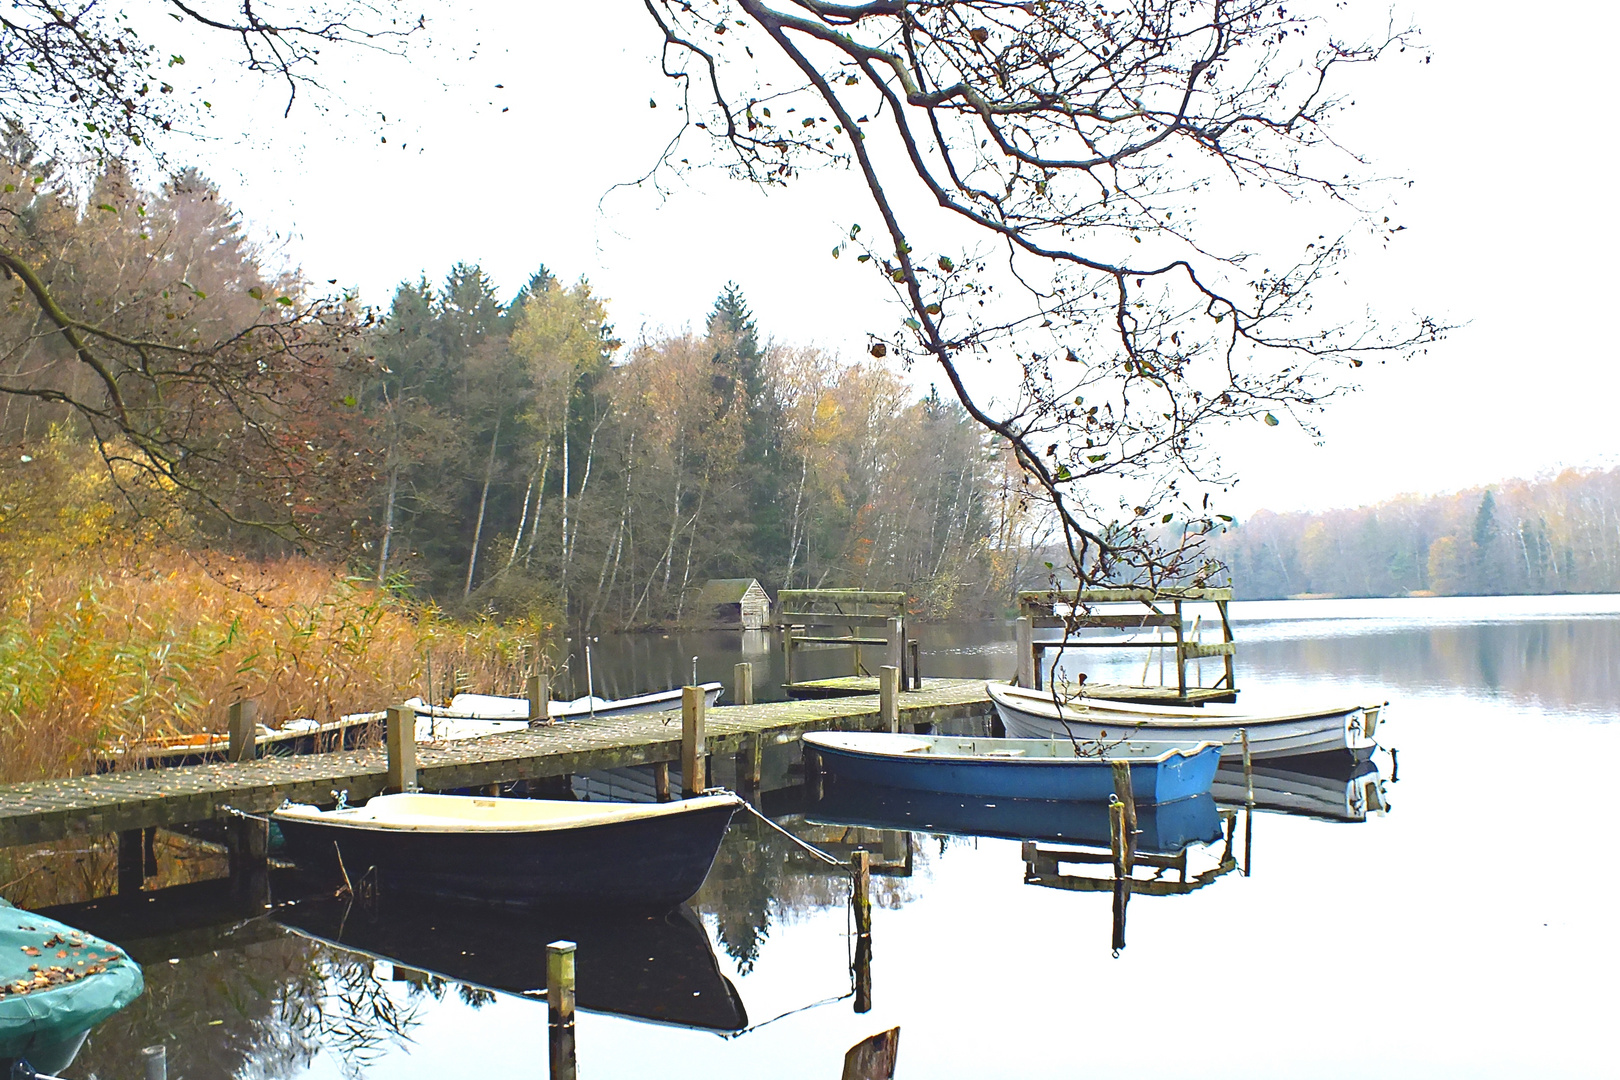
(760, 877)
(262, 1011)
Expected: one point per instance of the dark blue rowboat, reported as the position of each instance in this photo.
(1162, 828)
(516, 852)
(1016, 768)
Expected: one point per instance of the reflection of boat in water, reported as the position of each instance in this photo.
(1331, 790)
(1163, 827)
(1340, 728)
(1053, 768)
(660, 968)
(519, 852)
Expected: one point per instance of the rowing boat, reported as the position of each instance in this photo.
(1056, 768)
(1033, 714)
(516, 852)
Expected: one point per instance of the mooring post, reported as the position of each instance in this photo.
(873, 1058)
(401, 748)
(889, 697)
(894, 653)
(750, 764)
(155, 1063)
(787, 654)
(1025, 636)
(863, 973)
(1248, 839)
(743, 684)
(539, 699)
(915, 648)
(244, 731)
(1122, 789)
(560, 1005)
(1248, 769)
(693, 749)
(131, 861)
(1117, 837)
(1122, 898)
(661, 781)
(862, 899)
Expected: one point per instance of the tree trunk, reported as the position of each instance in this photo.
(388, 525)
(483, 500)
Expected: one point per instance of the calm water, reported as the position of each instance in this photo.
(1454, 920)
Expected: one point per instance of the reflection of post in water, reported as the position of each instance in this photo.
(861, 900)
(1122, 896)
(1248, 803)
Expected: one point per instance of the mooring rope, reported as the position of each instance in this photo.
(806, 845)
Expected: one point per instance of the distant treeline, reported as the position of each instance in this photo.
(1521, 536)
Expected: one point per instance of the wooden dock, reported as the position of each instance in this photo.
(118, 802)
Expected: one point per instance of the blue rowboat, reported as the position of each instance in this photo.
(1016, 768)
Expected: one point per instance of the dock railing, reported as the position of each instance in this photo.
(1072, 611)
(816, 617)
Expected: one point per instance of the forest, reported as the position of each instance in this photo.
(1557, 534)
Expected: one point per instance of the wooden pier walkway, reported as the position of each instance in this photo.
(44, 811)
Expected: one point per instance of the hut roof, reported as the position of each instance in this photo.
(718, 591)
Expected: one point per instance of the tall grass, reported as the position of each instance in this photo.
(148, 644)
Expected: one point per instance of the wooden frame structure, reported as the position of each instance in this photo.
(1164, 611)
(812, 617)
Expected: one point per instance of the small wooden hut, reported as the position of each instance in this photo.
(730, 604)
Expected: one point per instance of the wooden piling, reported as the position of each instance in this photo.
(873, 1058)
(743, 684)
(1118, 843)
(862, 898)
(693, 750)
(155, 1063)
(1025, 636)
(863, 973)
(1248, 839)
(560, 1006)
(1122, 789)
(750, 764)
(539, 699)
(131, 861)
(1248, 769)
(915, 648)
(661, 781)
(895, 653)
(1122, 898)
(244, 731)
(401, 748)
(787, 655)
(889, 696)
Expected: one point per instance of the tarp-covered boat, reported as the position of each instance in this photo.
(56, 983)
(494, 707)
(517, 852)
(1032, 714)
(1015, 768)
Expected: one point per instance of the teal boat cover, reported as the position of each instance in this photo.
(56, 982)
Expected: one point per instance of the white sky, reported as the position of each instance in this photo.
(1511, 220)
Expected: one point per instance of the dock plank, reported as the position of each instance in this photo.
(45, 810)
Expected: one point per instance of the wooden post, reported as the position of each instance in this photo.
(1248, 839)
(1117, 838)
(693, 749)
(1248, 769)
(787, 655)
(131, 861)
(1226, 636)
(1181, 655)
(155, 1063)
(539, 699)
(1122, 897)
(560, 1006)
(661, 781)
(743, 684)
(863, 973)
(895, 654)
(244, 730)
(401, 748)
(889, 697)
(862, 863)
(1122, 789)
(1026, 652)
(873, 1058)
(750, 763)
(915, 648)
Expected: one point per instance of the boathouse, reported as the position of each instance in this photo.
(731, 604)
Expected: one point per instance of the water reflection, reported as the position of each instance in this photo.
(1325, 790)
(658, 968)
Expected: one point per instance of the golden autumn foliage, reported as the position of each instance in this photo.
(110, 632)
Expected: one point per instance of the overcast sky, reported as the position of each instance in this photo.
(1510, 216)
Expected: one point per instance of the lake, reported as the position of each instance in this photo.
(1448, 912)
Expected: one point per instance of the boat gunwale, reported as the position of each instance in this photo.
(615, 814)
(1150, 715)
(1188, 749)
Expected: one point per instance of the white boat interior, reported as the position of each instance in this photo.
(981, 749)
(1041, 701)
(470, 813)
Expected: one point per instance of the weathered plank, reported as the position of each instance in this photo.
(43, 811)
